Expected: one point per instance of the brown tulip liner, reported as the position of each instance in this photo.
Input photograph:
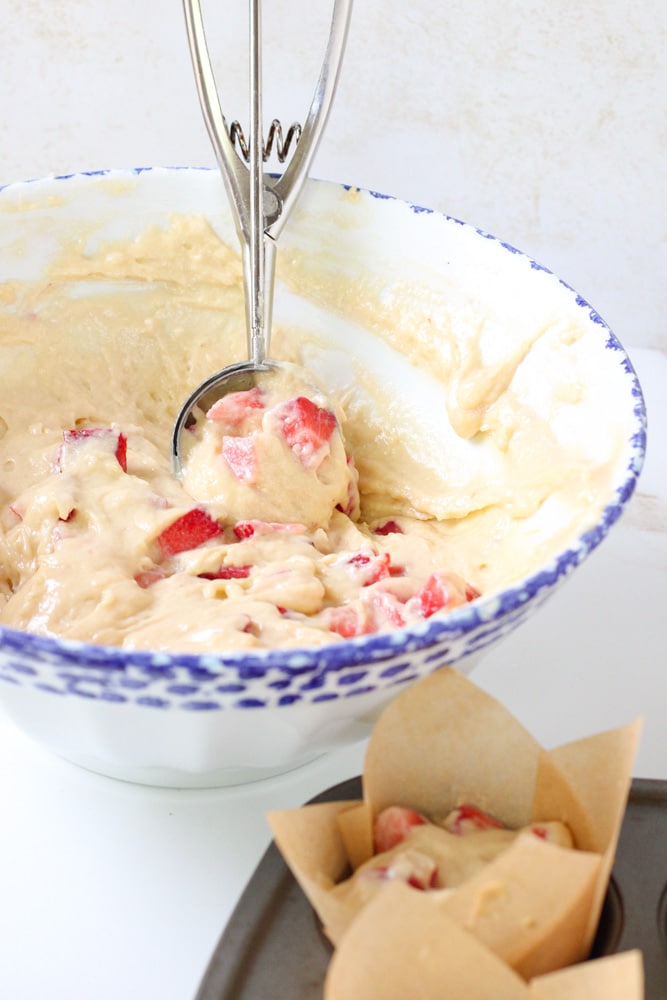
(530, 911)
(400, 947)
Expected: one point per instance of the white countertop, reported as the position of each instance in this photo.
(112, 891)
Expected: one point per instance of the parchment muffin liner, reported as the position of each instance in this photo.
(401, 947)
(444, 742)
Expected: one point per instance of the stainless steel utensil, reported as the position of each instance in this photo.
(260, 204)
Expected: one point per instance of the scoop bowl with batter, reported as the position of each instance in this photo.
(471, 431)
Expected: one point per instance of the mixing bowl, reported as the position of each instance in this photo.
(397, 295)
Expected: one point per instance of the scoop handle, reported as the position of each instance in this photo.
(254, 260)
(261, 206)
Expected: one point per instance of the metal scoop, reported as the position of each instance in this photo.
(260, 204)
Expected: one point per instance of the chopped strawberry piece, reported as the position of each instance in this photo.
(239, 454)
(121, 452)
(349, 621)
(227, 573)
(307, 428)
(147, 577)
(375, 567)
(393, 825)
(540, 831)
(418, 883)
(469, 819)
(389, 607)
(360, 559)
(188, 532)
(471, 592)
(82, 433)
(553, 832)
(246, 529)
(236, 406)
(425, 878)
(434, 595)
(388, 528)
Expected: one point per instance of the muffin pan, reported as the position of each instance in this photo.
(273, 945)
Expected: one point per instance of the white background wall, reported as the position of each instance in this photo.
(541, 121)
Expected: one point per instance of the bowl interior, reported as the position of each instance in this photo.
(372, 293)
(424, 325)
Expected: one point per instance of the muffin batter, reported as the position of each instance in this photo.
(293, 525)
(274, 452)
(429, 855)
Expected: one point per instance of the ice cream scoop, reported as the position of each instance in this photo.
(260, 203)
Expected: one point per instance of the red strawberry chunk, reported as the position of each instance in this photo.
(373, 567)
(246, 529)
(437, 593)
(388, 528)
(471, 593)
(349, 621)
(360, 559)
(393, 825)
(84, 433)
(227, 573)
(188, 532)
(307, 428)
(389, 607)
(424, 878)
(233, 408)
(239, 454)
(147, 577)
(121, 452)
(417, 882)
(469, 819)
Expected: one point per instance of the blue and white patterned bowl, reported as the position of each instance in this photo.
(202, 720)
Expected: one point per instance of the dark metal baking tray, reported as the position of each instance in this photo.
(273, 946)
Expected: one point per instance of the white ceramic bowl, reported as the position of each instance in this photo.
(203, 720)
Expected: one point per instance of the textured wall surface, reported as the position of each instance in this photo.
(541, 121)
